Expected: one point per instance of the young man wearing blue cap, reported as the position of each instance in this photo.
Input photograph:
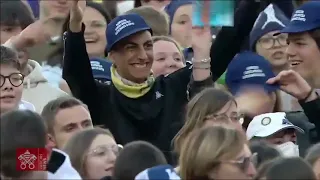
(135, 106)
(304, 42)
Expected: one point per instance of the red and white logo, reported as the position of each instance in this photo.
(31, 159)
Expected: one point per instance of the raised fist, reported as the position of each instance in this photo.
(77, 10)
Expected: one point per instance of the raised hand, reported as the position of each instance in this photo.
(201, 42)
(292, 83)
(76, 14)
(35, 33)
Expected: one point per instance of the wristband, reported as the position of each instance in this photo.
(206, 60)
(308, 95)
(201, 65)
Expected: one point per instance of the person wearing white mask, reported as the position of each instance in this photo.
(276, 129)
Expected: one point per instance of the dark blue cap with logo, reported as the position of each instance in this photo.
(163, 172)
(305, 18)
(248, 68)
(270, 19)
(101, 69)
(124, 26)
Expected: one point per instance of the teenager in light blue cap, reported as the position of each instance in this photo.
(304, 42)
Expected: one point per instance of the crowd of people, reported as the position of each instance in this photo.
(132, 90)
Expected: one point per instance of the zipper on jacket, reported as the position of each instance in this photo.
(64, 38)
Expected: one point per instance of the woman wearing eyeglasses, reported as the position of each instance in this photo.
(93, 153)
(216, 153)
(11, 81)
(210, 107)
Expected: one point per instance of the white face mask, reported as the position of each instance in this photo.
(288, 149)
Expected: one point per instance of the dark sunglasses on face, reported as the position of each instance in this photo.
(15, 79)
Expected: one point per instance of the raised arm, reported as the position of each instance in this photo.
(292, 83)
(229, 40)
(77, 68)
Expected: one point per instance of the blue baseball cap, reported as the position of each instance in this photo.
(248, 68)
(305, 18)
(124, 26)
(101, 69)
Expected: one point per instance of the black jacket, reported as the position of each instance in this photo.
(151, 118)
(309, 121)
(304, 140)
(148, 118)
(312, 111)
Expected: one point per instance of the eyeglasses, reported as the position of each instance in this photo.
(224, 117)
(269, 42)
(15, 79)
(103, 150)
(245, 162)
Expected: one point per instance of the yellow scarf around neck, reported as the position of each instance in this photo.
(131, 91)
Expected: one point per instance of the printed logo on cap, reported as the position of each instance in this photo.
(122, 24)
(266, 121)
(96, 66)
(299, 16)
(253, 71)
(271, 17)
(285, 121)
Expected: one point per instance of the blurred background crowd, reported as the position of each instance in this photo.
(132, 90)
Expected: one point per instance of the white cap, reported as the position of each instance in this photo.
(267, 124)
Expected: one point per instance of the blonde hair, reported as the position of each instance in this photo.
(77, 147)
(204, 149)
(201, 107)
(157, 20)
(169, 39)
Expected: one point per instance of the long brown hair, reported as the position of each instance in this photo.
(205, 148)
(206, 103)
(77, 147)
